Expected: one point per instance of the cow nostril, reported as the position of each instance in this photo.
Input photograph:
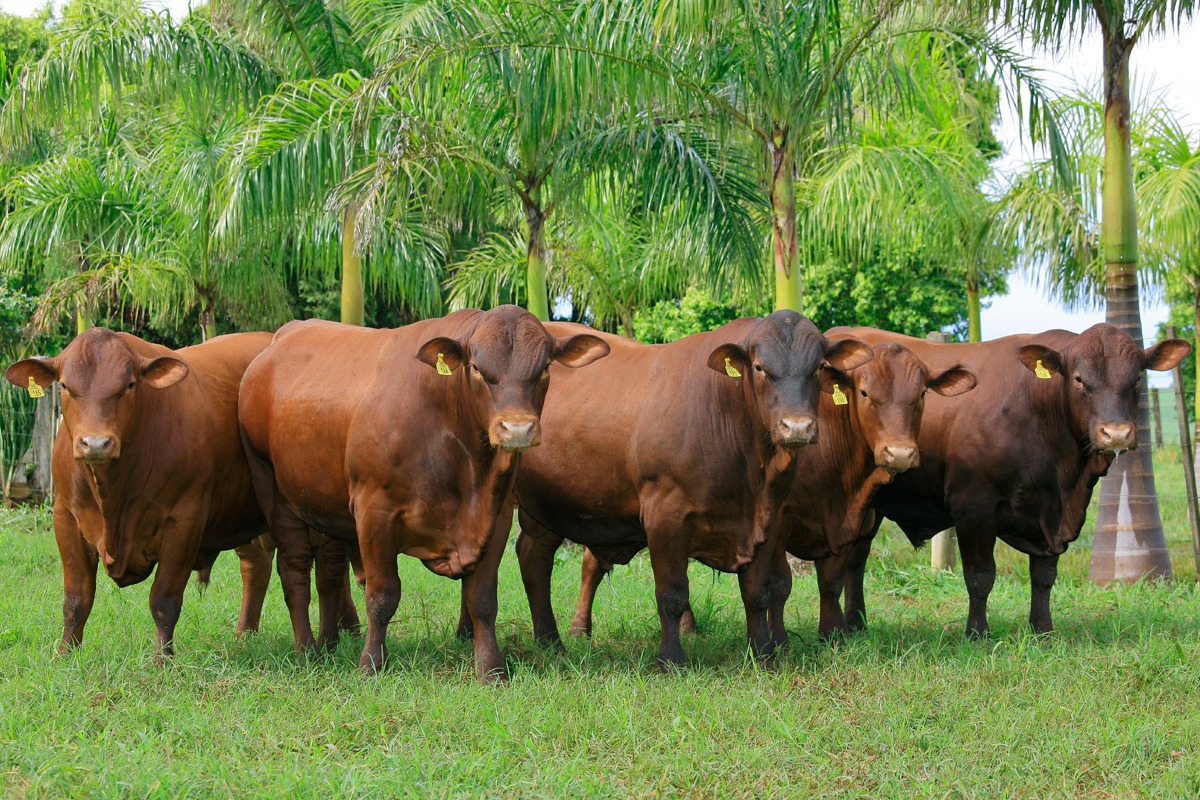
(798, 430)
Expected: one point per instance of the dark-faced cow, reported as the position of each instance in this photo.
(148, 465)
(685, 448)
(869, 423)
(406, 441)
(1017, 458)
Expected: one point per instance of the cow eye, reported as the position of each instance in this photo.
(1079, 381)
(132, 384)
(758, 368)
(862, 392)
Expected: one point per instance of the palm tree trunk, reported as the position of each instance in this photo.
(1129, 541)
(208, 316)
(538, 301)
(83, 319)
(974, 322)
(789, 290)
(353, 311)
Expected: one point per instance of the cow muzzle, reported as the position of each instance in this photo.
(97, 450)
(516, 433)
(1116, 437)
(897, 457)
(797, 431)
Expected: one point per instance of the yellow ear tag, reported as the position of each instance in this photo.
(731, 370)
(442, 367)
(839, 397)
(35, 391)
(1041, 371)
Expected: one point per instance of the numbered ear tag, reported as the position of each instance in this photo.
(839, 397)
(731, 370)
(442, 367)
(34, 390)
(1041, 371)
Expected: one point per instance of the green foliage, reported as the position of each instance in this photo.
(697, 311)
(901, 291)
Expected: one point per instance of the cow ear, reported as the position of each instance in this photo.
(579, 350)
(846, 354)
(443, 350)
(1166, 354)
(729, 359)
(952, 382)
(43, 371)
(163, 372)
(1035, 355)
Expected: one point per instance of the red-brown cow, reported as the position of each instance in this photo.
(685, 448)
(348, 433)
(869, 426)
(148, 465)
(1017, 458)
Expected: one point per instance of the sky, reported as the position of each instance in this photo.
(1170, 65)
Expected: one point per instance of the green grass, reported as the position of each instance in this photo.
(1104, 707)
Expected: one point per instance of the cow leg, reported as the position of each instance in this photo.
(591, 576)
(755, 585)
(781, 589)
(831, 577)
(979, 573)
(79, 560)
(378, 547)
(536, 547)
(1043, 571)
(669, 562)
(333, 585)
(294, 561)
(256, 577)
(347, 618)
(170, 579)
(465, 630)
(853, 574)
(479, 593)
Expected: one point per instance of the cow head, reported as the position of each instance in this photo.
(101, 377)
(1099, 371)
(506, 359)
(886, 398)
(780, 364)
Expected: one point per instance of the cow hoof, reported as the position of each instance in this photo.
(579, 629)
(370, 665)
(976, 634)
(498, 675)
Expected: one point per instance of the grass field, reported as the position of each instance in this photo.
(1105, 707)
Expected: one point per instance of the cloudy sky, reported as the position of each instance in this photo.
(1169, 65)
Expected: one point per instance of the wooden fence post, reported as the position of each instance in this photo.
(1158, 439)
(943, 549)
(1189, 467)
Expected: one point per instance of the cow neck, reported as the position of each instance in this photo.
(854, 465)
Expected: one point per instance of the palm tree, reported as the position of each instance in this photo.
(152, 105)
(1168, 168)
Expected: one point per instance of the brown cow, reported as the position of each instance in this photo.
(685, 448)
(148, 465)
(1016, 459)
(348, 433)
(868, 434)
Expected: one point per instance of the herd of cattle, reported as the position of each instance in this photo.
(733, 447)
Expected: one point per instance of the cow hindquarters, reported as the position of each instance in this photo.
(479, 595)
(536, 547)
(79, 560)
(1043, 571)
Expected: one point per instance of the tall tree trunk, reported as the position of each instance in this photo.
(208, 316)
(1129, 540)
(1196, 394)
(83, 318)
(538, 296)
(974, 322)
(353, 311)
(789, 290)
